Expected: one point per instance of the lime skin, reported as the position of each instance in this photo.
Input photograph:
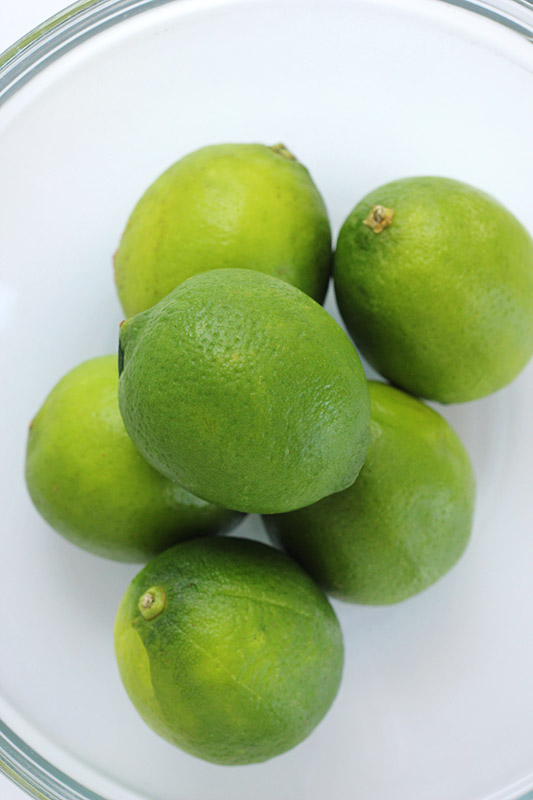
(228, 205)
(245, 391)
(405, 521)
(439, 295)
(228, 649)
(88, 481)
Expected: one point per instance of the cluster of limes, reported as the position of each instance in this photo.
(238, 393)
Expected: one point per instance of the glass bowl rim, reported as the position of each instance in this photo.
(21, 62)
(34, 51)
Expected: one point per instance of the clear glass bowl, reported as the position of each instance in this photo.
(437, 698)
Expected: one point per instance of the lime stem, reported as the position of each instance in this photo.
(152, 602)
(379, 218)
(281, 150)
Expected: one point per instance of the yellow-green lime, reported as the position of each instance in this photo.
(228, 649)
(434, 280)
(228, 205)
(88, 481)
(245, 391)
(405, 521)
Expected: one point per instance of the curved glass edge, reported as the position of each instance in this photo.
(516, 14)
(49, 24)
(18, 64)
(33, 774)
(59, 34)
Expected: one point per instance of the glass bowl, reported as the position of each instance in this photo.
(437, 696)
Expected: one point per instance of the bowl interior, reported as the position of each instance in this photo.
(437, 698)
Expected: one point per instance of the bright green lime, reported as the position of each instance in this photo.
(89, 482)
(228, 649)
(245, 391)
(228, 205)
(404, 522)
(434, 280)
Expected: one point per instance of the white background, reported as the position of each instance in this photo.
(17, 17)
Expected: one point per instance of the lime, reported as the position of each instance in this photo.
(245, 391)
(434, 280)
(228, 649)
(404, 522)
(88, 481)
(228, 205)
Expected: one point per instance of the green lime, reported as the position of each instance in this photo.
(245, 391)
(404, 522)
(228, 205)
(228, 649)
(89, 482)
(434, 280)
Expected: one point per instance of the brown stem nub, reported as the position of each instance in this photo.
(379, 218)
(281, 150)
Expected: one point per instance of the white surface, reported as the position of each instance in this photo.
(9, 791)
(437, 698)
(17, 17)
